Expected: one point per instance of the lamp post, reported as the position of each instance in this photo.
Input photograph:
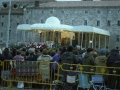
(7, 33)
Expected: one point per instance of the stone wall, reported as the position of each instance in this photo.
(74, 16)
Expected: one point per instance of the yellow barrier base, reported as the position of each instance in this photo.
(10, 85)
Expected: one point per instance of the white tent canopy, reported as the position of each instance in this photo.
(24, 27)
(84, 28)
(52, 23)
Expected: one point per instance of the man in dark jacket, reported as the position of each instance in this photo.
(69, 58)
(88, 59)
(113, 61)
(32, 56)
(6, 56)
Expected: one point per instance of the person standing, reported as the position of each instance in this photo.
(44, 67)
(54, 66)
(88, 59)
(32, 56)
(6, 56)
(18, 57)
(101, 61)
(67, 57)
(113, 61)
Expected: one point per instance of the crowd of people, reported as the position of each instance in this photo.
(67, 55)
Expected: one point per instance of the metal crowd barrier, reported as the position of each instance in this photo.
(37, 72)
(34, 72)
(89, 69)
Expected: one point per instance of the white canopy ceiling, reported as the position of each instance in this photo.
(50, 27)
(84, 28)
(24, 27)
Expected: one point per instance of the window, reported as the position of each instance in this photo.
(2, 24)
(62, 12)
(108, 23)
(1, 34)
(17, 24)
(118, 23)
(86, 12)
(0, 40)
(98, 22)
(117, 38)
(2, 16)
(17, 16)
(42, 11)
(118, 11)
(98, 11)
(26, 21)
(85, 22)
(42, 21)
(9, 34)
(51, 12)
(62, 21)
(109, 11)
(73, 22)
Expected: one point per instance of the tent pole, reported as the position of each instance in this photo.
(89, 39)
(82, 40)
(32, 37)
(92, 39)
(53, 35)
(95, 41)
(99, 41)
(108, 43)
(85, 39)
(71, 38)
(58, 37)
(78, 38)
(45, 36)
(105, 41)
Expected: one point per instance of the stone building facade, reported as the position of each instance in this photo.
(101, 14)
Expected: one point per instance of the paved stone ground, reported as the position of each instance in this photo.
(15, 88)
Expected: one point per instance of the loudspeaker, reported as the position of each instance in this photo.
(14, 6)
(5, 5)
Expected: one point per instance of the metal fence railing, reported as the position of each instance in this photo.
(37, 72)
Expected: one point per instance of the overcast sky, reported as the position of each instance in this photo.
(74, 0)
(68, 0)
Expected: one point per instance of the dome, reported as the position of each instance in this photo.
(52, 20)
